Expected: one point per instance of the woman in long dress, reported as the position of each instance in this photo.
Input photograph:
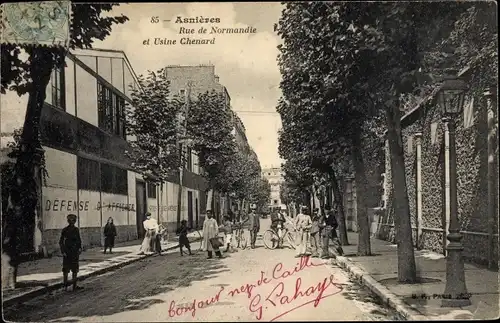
(210, 231)
(151, 227)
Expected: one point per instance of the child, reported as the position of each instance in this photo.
(71, 247)
(183, 239)
(228, 230)
(109, 235)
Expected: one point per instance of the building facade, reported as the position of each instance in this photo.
(200, 79)
(84, 137)
(275, 178)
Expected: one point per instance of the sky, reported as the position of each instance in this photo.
(245, 63)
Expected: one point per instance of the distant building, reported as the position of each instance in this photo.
(202, 78)
(275, 177)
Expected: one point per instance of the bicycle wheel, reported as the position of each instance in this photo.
(270, 239)
(291, 240)
(242, 241)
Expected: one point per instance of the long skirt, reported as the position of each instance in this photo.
(146, 243)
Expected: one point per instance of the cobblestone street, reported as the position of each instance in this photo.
(164, 288)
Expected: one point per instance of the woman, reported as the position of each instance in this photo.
(210, 231)
(109, 235)
(151, 227)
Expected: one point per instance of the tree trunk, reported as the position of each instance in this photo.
(406, 258)
(342, 218)
(22, 215)
(364, 245)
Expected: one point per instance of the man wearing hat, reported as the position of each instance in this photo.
(254, 225)
(71, 247)
(303, 226)
(210, 233)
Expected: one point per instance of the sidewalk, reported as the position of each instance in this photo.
(379, 273)
(43, 275)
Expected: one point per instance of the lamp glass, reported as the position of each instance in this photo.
(451, 100)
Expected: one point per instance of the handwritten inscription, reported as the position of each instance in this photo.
(282, 293)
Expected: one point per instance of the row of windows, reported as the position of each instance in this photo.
(95, 176)
(111, 111)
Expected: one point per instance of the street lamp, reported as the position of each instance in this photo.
(451, 99)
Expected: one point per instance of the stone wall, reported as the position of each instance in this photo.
(472, 181)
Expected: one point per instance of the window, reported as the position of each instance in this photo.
(111, 111)
(57, 83)
(89, 177)
(275, 201)
(469, 113)
(114, 180)
(182, 92)
(151, 190)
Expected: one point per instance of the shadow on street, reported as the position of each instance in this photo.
(134, 287)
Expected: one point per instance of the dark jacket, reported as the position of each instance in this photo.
(109, 230)
(70, 241)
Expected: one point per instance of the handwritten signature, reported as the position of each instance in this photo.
(280, 294)
(276, 296)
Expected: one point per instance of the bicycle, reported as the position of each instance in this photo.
(239, 237)
(272, 238)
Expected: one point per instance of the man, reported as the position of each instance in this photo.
(277, 218)
(70, 244)
(315, 232)
(303, 226)
(329, 224)
(254, 226)
(211, 231)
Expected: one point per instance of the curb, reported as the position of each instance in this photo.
(387, 297)
(54, 286)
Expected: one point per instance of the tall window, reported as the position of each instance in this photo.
(111, 111)
(189, 159)
(57, 83)
(151, 190)
(89, 177)
(114, 180)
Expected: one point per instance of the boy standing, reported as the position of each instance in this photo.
(228, 231)
(71, 247)
(183, 239)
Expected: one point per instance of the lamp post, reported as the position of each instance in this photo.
(451, 99)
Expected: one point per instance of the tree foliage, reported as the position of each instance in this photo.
(209, 125)
(152, 125)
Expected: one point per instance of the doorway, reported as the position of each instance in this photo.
(190, 209)
(140, 202)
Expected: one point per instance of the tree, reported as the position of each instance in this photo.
(152, 125)
(355, 60)
(32, 76)
(209, 126)
(261, 192)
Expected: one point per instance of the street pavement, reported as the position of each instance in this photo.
(248, 285)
